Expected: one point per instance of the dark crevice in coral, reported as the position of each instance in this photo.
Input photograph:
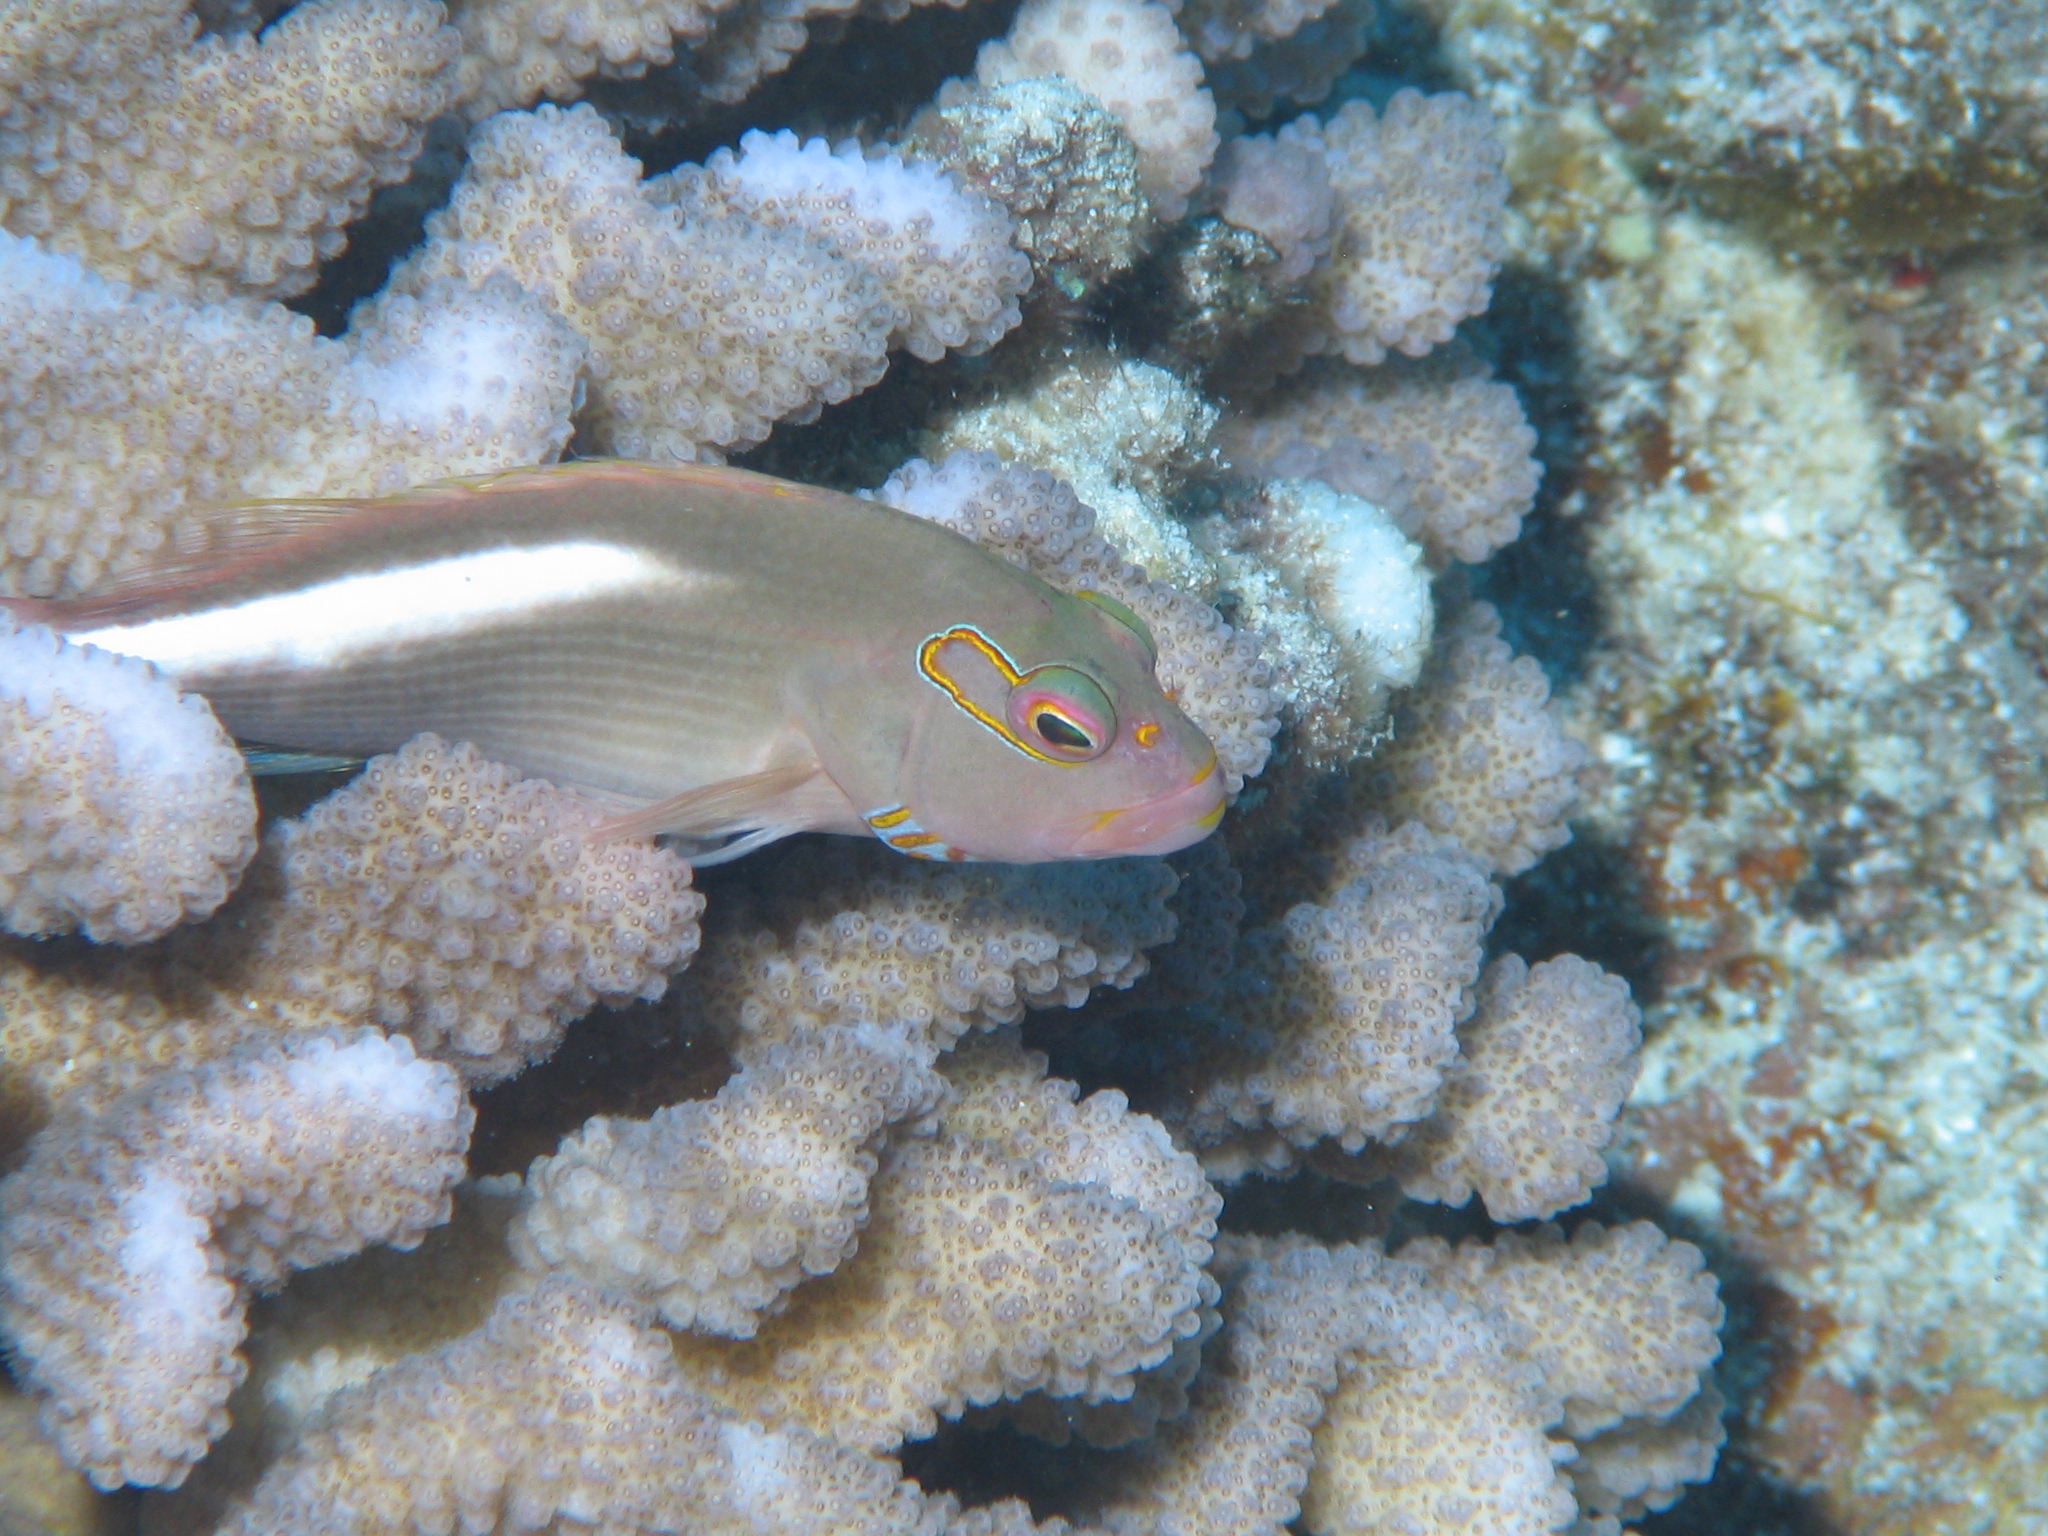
(628, 1062)
(870, 79)
(1742, 1499)
(1542, 583)
(1139, 1052)
(1581, 900)
(983, 1462)
(1404, 51)
(388, 232)
(859, 443)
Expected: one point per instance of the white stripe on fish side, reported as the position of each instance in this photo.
(338, 620)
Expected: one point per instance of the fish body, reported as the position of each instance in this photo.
(713, 653)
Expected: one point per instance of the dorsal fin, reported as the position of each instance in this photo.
(213, 542)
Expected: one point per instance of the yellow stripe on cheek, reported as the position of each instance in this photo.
(912, 840)
(966, 634)
(889, 819)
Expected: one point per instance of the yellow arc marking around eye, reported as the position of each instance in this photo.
(967, 634)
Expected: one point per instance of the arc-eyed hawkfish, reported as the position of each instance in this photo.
(713, 653)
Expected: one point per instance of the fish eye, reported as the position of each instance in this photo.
(1058, 731)
(1063, 714)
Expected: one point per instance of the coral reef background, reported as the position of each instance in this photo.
(1626, 413)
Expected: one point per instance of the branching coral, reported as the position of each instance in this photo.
(1341, 593)
(444, 896)
(877, 939)
(124, 1239)
(1440, 445)
(1127, 54)
(438, 894)
(1545, 1062)
(1420, 196)
(1477, 754)
(941, 253)
(121, 413)
(1277, 186)
(1029, 1246)
(516, 51)
(1418, 215)
(888, 1221)
(712, 1210)
(1361, 1393)
(1350, 1006)
(718, 302)
(1332, 589)
(208, 168)
(1058, 160)
(563, 1407)
(123, 807)
(704, 331)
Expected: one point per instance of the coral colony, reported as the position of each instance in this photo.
(806, 1232)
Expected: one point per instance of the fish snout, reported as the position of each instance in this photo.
(1170, 822)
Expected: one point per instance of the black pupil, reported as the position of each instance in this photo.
(1060, 734)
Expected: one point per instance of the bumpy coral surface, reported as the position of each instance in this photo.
(218, 166)
(752, 1225)
(444, 896)
(1356, 1392)
(1340, 592)
(878, 939)
(712, 1210)
(1356, 1025)
(516, 51)
(1441, 446)
(122, 412)
(998, 1259)
(704, 331)
(477, 1427)
(1058, 160)
(125, 1234)
(1477, 756)
(1128, 55)
(1415, 249)
(124, 809)
(1545, 1062)
(942, 253)
(1277, 186)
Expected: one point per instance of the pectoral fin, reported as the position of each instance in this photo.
(764, 806)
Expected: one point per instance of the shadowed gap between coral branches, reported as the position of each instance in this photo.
(869, 79)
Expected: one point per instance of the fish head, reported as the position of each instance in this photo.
(1049, 737)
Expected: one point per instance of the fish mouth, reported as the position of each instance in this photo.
(1167, 824)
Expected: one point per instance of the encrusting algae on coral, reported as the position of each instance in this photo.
(979, 1157)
